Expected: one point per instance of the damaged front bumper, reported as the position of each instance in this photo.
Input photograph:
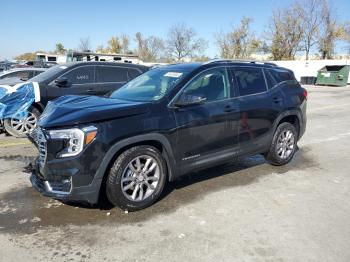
(61, 188)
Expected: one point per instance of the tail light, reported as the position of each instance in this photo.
(305, 93)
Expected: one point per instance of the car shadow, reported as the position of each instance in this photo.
(24, 205)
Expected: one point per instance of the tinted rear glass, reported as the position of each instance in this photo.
(111, 74)
(270, 81)
(250, 80)
(280, 75)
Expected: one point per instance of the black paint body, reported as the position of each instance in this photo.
(190, 138)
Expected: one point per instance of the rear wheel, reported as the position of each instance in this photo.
(137, 178)
(22, 127)
(283, 146)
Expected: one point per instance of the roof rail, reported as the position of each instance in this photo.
(239, 61)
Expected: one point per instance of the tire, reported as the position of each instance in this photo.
(21, 129)
(136, 177)
(283, 146)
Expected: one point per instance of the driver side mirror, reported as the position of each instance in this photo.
(62, 82)
(189, 100)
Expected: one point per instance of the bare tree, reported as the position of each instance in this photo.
(286, 32)
(345, 36)
(84, 44)
(125, 41)
(240, 43)
(311, 11)
(330, 31)
(182, 42)
(149, 49)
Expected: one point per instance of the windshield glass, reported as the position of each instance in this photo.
(150, 86)
(52, 71)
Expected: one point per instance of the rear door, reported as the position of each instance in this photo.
(81, 81)
(259, 107)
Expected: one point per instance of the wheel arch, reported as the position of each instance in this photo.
(156, 140)
(291, 116)
(39, 106)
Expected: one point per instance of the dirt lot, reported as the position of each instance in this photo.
(247, 211)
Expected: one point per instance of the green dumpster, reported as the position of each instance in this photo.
(333, 75)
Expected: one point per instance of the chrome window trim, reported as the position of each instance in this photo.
(52, 82)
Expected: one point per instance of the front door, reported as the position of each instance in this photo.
(81, 81)
(203, 130)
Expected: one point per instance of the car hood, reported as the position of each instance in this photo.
(74, 110)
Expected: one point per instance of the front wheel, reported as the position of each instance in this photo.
(137, 178)
(283, 146)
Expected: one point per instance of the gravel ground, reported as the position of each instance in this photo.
(246, 211)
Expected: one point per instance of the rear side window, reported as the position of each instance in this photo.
(280, 75)
(80, 75)
(270, 81)
(111, 74)
(250, 80)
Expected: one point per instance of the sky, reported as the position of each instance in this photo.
(31, 25)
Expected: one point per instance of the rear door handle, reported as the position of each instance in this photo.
(277, 100)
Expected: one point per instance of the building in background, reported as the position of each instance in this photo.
(72, 56)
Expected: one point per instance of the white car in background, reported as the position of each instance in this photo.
(22, 73)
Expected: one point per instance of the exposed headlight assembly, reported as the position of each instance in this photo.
(75, 139)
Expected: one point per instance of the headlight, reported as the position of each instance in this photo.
(75, 139)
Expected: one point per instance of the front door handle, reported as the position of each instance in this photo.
(91, 91)
(230, 108)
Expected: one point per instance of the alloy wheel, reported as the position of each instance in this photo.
(285, 144)
(140, 178)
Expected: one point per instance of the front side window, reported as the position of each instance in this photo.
(250, 80)
(19, 74)
(80, 75)
(111, 74)
(211, 85)
(150, 86)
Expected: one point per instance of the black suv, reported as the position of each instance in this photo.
(76, 78)
(165, 123)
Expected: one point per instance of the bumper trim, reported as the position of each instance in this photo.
(88, 194)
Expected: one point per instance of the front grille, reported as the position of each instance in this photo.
(40, 140)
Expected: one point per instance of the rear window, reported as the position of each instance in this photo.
(250, 80)
(111, 74)
(280, 75)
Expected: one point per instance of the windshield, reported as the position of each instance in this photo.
(52, 71)
(150, 86)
